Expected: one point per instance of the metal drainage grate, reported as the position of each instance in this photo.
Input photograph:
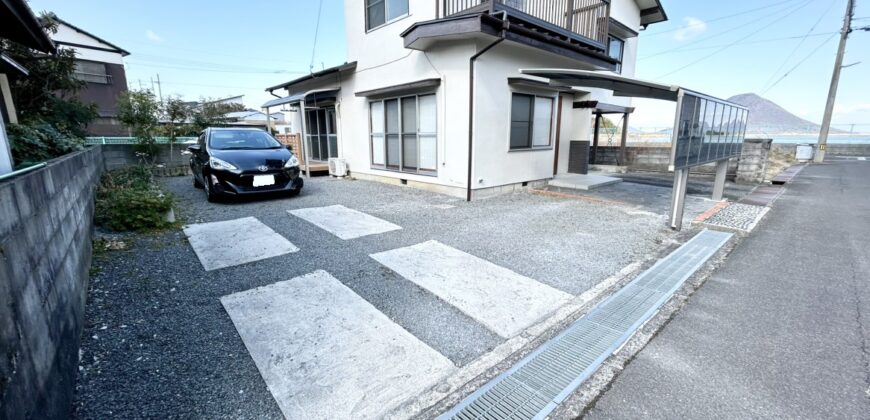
(536, 385)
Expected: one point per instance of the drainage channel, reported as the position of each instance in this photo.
(536, 385)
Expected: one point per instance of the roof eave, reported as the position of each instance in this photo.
(120, 50)
(35, 36)
(315, 75)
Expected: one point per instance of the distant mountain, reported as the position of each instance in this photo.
(768, 117)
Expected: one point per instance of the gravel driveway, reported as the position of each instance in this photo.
(158, 343)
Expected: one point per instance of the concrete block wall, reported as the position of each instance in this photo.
(46, 224)
(120, 155)
(654, 159)
(787, 150)
(754, 160)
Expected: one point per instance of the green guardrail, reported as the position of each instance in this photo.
(132, 140)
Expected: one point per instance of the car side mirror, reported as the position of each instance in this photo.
(193, 148)
(289, 147)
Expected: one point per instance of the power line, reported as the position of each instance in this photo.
(799, 63)
(794, 10)
(727, 31)
(203, 64)
(793, 51)
(136, 63)
(211, 85)
(203, 51)
(758, 41)
(716, 19)
(316, 32)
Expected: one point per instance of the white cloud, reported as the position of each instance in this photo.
(153, 36)
(692, 28)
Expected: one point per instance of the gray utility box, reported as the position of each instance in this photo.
(804, 152)
(578, 157)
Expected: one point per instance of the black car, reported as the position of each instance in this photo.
(242, 161)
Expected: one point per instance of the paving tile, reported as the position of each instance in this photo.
(327, 353)
(234, 242)
(500, 299)
(344, 222)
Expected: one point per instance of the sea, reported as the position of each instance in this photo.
(777, 138)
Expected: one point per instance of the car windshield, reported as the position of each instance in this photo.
(242, 139)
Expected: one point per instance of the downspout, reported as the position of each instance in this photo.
(471, 62)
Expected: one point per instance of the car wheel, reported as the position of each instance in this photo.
(209, 194)
(196, 183)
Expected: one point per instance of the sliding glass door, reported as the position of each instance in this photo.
(404, 134)
(321, 137)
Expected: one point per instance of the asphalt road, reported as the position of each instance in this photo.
(781, 330)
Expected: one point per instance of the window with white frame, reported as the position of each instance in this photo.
(531, 121)
(379, 12)
(404, 134)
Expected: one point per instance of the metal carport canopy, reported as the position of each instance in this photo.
(620, 85)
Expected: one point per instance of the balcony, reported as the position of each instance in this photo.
(579, 21)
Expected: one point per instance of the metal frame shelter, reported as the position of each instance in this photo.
(706, 129)
(316, 97)
(600, 109)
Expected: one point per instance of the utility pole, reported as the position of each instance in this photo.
(835, 82)
(159, 88)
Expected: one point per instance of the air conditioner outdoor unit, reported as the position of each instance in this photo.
(337, 167)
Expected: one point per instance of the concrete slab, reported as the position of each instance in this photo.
(344, 222)
(326, 353)
(586, 182)
(500, 299)
(234, 242)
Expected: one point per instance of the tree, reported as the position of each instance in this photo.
(175, 112)
(52, 121)
(138, 110)
(211, 114)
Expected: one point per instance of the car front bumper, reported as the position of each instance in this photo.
(233, 184)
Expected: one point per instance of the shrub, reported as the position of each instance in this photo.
(128, 199)
(38, 141)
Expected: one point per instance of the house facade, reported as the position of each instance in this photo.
(432, 94)
(100, 64)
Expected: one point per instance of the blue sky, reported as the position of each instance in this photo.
(212, 49)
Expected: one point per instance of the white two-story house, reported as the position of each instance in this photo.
(432, 94)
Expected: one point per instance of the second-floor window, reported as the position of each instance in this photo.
(379, 12)
(615, 47)
(93, 72)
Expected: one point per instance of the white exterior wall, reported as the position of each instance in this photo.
(627, 13)
(67, 34)
(495, 164)
(383, 61)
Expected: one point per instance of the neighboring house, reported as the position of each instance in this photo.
(249, 117)
(20, 26)
(232, 100)
(100, 64)
(427, 83)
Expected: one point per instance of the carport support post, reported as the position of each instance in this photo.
(302, 140)
(678, 200)
(623, 141)
(595, 138)
(719, 182)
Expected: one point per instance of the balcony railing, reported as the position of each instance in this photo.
(586, 18)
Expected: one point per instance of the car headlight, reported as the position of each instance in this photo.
(219, 164)
(292, 162)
